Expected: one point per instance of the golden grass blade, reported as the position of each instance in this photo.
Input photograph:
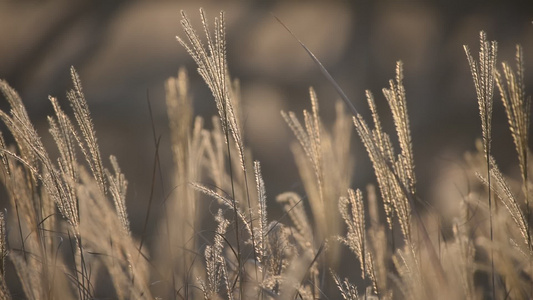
(483, 73)
(397, 102)
(215, 262)
(129, 276)
(182, 218)
(353, 213)
(502, 189)
(225, 201)
(34, 156)
(118, 186)
(518, 109)
(347, 289)
(293, 206)
(3, 155)
(89, 144)
(212, 66)
(262, 213)
(4, 292)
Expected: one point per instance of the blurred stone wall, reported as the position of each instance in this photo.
(124, 50)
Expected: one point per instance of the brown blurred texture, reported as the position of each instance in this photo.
(124, 50)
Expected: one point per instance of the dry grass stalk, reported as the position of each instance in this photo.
(517, 107)
(34, 183)
(325, 165)
(177, 242)
(483, 73)
(348, 290)
(89, 144)
(129, 275)
(212, 66)
(393, 182)
(4, 292)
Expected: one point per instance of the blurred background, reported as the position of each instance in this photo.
(124, 51)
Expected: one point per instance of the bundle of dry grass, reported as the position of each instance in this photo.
(71, 231)
(37, 187)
